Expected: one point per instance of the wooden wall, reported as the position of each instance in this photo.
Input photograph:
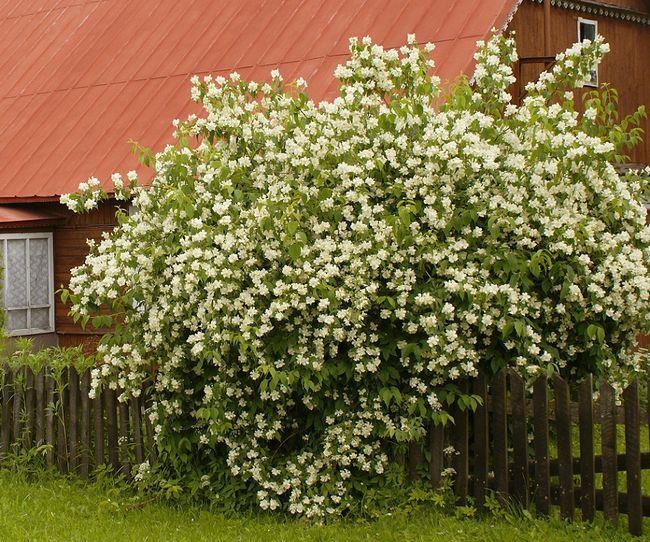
(626, 67)
(70, 249)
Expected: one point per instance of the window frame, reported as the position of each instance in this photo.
(26, 236)
(582, 20)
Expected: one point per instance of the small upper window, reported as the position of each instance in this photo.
(588, 30)
(28, 282)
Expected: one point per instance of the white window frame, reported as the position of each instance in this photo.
(4, 237)
(582, 20)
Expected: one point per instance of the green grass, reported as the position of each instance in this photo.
(57, 509)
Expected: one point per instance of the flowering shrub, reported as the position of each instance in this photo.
(305, 281)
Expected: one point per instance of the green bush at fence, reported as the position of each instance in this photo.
(305, 282)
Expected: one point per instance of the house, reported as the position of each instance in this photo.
(80, 78)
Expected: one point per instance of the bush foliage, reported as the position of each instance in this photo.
(305, 282)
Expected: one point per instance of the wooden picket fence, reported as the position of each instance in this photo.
(505, 446)
(517, 444)
(81, 434)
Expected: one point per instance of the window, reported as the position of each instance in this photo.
(28, 282)
(588, 30)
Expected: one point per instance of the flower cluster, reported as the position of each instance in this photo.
(90, 192)
(306, 281)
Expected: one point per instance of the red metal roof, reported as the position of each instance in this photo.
(79, 78)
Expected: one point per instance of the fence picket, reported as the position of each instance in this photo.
(125, 463)
(519, 438)
(41, 403)
(461, 446)
(49, 418)
(19, 381)
(5, 438)
(62, 452)
(98, 415)
(500, 433)
(111, 426)
(73, 397)
(481, 441)
(30, 408)
(436, 446)
(540, 431)
(564, 455)
(587, 460)
(136, 418)
(633, 459)
(608, 439)
(84, 457)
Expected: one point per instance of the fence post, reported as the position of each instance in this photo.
(481, 441)
(519, 438)
(499, 407)
(633, 459)
(564, 455)
(608, 439)
(587, 467)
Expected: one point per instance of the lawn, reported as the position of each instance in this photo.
(56, 509)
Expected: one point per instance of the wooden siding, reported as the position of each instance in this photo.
(70, 249)
(626, 67)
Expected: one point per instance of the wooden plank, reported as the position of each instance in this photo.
(62, 452)
(461, 445)
(19, 380)
(500, 433)
(436, 447)
(41, 407)
(481, 442)
(111, 426)
(30, 408)
(540, 439)
(564, 455)
(608, 444)
(150, 438)
(633, 458)
(84, 429)
(125, 462)
(519, 438)
(587, 460)
(98, 415)
(5, 438)
(136, 420)
(414, 460)
(50, 402)
(73, 402)
(621, 500)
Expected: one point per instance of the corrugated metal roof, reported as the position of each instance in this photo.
(79, 78)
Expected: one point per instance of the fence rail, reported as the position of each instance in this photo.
(519, 443)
